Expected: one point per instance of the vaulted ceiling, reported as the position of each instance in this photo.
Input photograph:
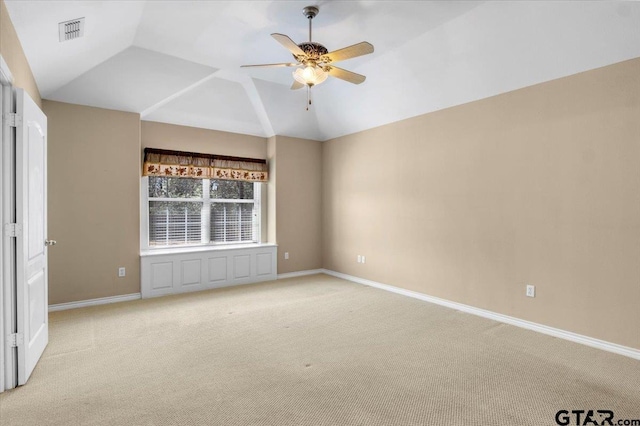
(179, 61)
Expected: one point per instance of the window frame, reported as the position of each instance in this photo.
(206, 201)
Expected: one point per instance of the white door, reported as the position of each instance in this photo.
(31, 248)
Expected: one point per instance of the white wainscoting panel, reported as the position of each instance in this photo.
(217, 269)
(263, 264)
(241, 266)
(191, 272)
(161, 276)
(178, 271)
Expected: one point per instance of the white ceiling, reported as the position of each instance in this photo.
(178, 61)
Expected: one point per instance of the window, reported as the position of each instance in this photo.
(184, 211)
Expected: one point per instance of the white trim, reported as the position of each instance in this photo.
(94, 302)
(7, 362)
(6, 78)
(204, 247)
(301, 273)
(144, 212)
(551, 331)
(2, 241)
(3, 195)
(205, 203)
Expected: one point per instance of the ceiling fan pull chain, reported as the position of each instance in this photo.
(308, 97)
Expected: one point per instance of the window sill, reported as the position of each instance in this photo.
(197, 249)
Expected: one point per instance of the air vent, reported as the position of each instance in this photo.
(71, 29)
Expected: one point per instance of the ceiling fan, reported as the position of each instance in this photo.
(315, 62)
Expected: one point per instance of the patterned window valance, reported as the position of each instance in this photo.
(161, 162)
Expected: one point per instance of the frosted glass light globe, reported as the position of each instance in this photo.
(311, 76)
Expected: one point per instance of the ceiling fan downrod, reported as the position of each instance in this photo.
(310, 12)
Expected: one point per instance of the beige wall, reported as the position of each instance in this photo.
(298, 203)
(192, 139)
(11, 51)
(537, 186)
(271, 191)
(94, 169)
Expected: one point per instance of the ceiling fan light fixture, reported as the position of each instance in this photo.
(316, 61)
(310, 75)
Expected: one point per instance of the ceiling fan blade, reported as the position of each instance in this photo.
(296, 85)
(345, 75)
(287, 64)
(288, 44)
(353, 51)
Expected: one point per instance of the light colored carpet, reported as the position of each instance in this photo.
(315, 350)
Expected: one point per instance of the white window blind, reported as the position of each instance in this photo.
(232, 222)
(172, 223)
(184, 211)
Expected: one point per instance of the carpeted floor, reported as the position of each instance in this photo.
(315, 350)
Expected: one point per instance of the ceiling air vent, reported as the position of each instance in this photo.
(71, 29)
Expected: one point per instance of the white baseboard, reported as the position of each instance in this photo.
(300, 273)
(555, 332)
(94, 302)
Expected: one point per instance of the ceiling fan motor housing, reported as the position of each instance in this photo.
(313, 51)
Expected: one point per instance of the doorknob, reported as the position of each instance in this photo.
(49, 242)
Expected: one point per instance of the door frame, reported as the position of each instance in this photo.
(7, 319)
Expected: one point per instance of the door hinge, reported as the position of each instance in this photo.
(13, 119)
(13, 340)
(12, 229)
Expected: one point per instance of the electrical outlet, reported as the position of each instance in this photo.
(122, 272)
(286, 255)
(359, 259)
(531, 291)
(363, 259)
